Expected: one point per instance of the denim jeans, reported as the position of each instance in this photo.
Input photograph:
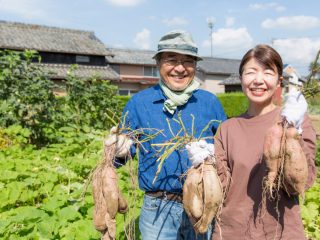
(162, 219)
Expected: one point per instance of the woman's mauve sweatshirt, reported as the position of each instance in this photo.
(239, 150)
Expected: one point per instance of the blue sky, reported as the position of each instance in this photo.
(290, 26)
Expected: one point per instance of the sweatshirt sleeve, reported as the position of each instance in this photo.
(222, 164)
(308, 144)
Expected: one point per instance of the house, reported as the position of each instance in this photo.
(138, 70)
(213, 71)
(59, 49)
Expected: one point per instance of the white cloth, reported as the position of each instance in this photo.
(199, 151)
(294, 78)
(123, 142)
(294, 109)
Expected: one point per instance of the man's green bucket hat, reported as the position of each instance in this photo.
(178, 41)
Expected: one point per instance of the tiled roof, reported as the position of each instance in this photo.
(60, 71)
(218, 65)
(131, 56)
(232, 80)
(19, 36)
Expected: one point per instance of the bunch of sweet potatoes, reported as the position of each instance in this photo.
(108, 200)
(202, 195)
(286, 163)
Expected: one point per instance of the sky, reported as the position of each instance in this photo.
(292, 27)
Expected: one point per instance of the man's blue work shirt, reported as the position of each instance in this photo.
(145, 111)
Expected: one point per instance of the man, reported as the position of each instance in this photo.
(177, 96)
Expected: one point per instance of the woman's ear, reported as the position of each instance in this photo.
(281, 81)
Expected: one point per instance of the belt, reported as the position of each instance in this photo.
(166, 195)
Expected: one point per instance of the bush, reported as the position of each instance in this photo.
(26, 96)
(89, 103)
(123, 101)
(27, 99)
(314, 104)
(234, 104)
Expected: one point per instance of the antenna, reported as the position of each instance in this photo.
(210, 22)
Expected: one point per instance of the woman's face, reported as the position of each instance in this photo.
(258, 83)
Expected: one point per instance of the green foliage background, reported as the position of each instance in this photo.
(49, 146)
(233, 104)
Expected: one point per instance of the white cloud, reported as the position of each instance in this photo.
(266, 6)
(142, 39)
(176, 21)
(229, 21)
(27, 9)
(229, 41)
(295, 22)
(124, 3)
(299, 52)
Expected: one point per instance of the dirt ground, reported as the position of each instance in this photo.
(316, 123)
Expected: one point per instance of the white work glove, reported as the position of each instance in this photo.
(294, 76)
(123, 143)
(294, 109)
(199, 151)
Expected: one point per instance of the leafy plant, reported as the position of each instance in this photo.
(42, 190)
(27, 99)
(90, 102)
(26, 96)
(310, 211)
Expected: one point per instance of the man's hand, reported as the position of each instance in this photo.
(199, 151)
(122, 142)
(294, 109)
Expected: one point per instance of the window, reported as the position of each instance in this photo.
(82, 59)
(150, 71)
(127, 92)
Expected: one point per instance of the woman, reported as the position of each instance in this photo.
(239, 149)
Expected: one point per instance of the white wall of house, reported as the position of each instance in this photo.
(214, 86)
(211, 82)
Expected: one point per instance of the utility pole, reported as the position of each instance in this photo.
(210, 25)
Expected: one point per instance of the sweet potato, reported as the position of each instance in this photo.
(123, 204)
(212, 196)
(106, 199)
(111, 231)
(202, 196)
(295, 165)
(100, 206)
(107, 196)
(192, 195)
(110, 190)
(272, 153)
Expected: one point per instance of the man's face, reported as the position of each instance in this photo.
(177, 70)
